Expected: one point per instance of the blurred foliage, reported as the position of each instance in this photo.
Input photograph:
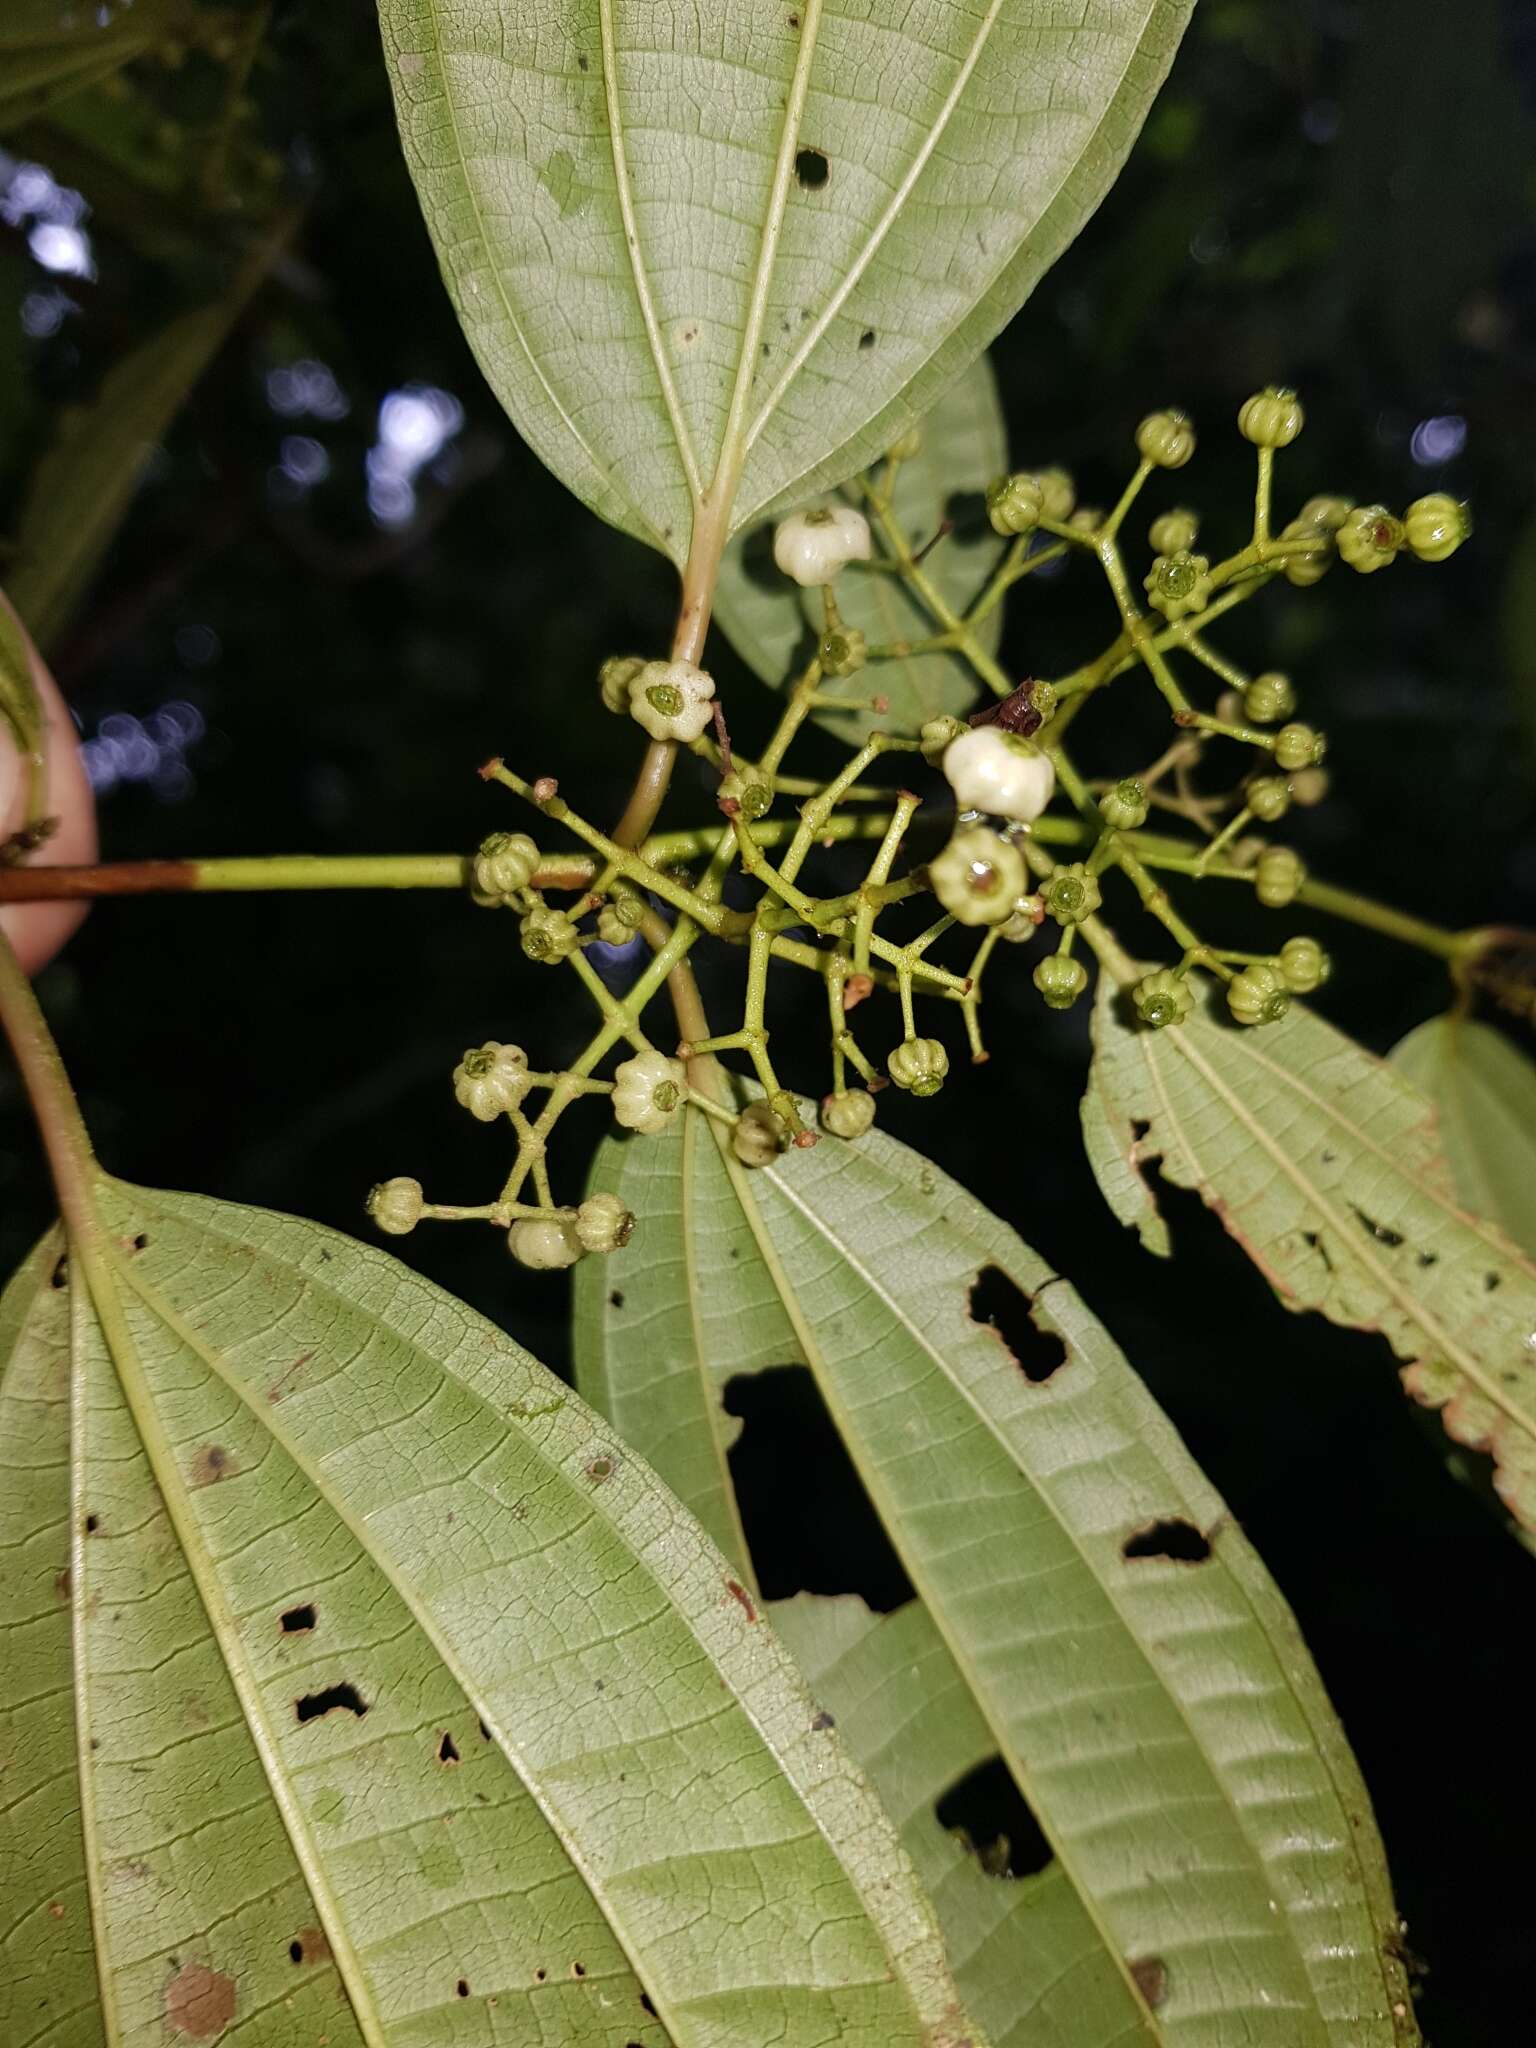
(1336, 195)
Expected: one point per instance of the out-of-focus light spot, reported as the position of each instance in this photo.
(196, 646)
(416, 424)
(1320, 121)
(1438, 440)
(306, 389)
(44, 313)
(60, 247)
(304, 460)
(125, 749)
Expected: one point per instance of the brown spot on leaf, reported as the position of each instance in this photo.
(56, 1909)
(63, 1585)
(742, 1597)
(1150, 1976)
(309, 1945)
(211, 1464)
(599, 1470)
(199, 2002)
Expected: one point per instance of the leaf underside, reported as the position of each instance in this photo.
(774, 625)
(1325, 1164)
(360, 1686)
(1484, 1092)
(634, 225)
(1216, 1872)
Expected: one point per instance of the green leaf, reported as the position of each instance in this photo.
(361, 1685)
(774, 625)
(81, 490)
(1324, 1164)
(1219, 1874)
(746, 247)
(1484, 1092)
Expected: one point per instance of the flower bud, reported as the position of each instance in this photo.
(843, 651)
(937, 733)
(1174, 532)
(1015, 504)
(505, 863)
(1178, 583)
(1436, 526)
(758, 1136)
(1258, 995)
(1272, 418)
(1370, 538)
(615, 677)
(848, 1115)
(1167, 439)
(1298, 746)
(603, 1224)
(815, 546)
(1269, 797)
(978, 877)
(1268, 697)
(396, 1206)
(919, 1065)
(1058, 492)
(647, 1091)
(1071, 894)
(1304, 966)
(491, 1079)
(1124, 808)
(1277, 875)
(1162, 999)
(548, 936)
(753, 799)
(1061, 980)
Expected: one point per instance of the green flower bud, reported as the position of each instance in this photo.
(1326, 513)
(1162, 999)
(1304, 570)
(613, 928)
(1436, 526)
(647, 1091)
(545, 1243)
(1072, 894)
(1268, 697)
(505, 863)
(1304, 965)
(1174, 532)
(937, 734)
(1269, 797)
(978, 877)
(1027, 918)
(1278, 874)
(758, 1136)
(396, 1206)
(1087, 519)
(920, 1065)
(1014, 504)
(603, 1224)
(1124, 808)
(1370, 538)
(1258, 995)
(1298, 746)
(848, 1115)
(1168, 439)
(491, 1079)
(548, 936)
(1061, 980)
(1310, 787)
(753, 799)
(1272, 418)
(614, 679)
(1178, 583)
(1058, 491)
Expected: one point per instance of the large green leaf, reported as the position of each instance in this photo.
(1324, 1163)
(1220, 1877)
(361, 1686)
(687, 241)
(774, 625)
(1484, 1092)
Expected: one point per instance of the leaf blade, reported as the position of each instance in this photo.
(1484, 1093)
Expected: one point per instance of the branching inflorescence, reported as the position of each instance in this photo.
(1014, 870)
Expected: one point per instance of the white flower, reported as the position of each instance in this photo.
(647, 1091)
(813, 547)
(997, 772)
(544, 1242)
(396, 1205)
(603, 1224)
(671, 699)
(491, 1079)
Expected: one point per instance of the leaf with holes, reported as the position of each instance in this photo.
(1325, 1165)
(358, 1678)
(1131, 1662)
(731, 252)
(774, 625)
(1484, 1092)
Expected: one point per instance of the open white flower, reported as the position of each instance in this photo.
(672, 699)
(647, 1091)
(814, 547)
(544, 1242)
(997, 772)
(491, 1079)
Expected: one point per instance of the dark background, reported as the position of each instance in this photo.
(1339, 196)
